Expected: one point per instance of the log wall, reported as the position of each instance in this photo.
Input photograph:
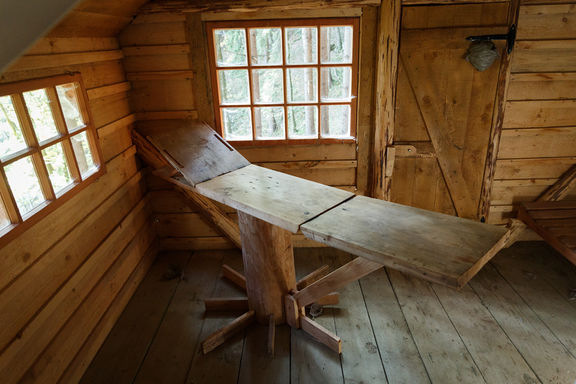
(538, 141)
(65, 280)
(166, 63)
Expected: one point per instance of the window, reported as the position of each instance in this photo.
(48, 147)
(285, 80)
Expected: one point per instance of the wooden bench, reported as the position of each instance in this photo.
(555, 221)
(272, 205)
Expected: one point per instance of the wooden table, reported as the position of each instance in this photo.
(272, 205)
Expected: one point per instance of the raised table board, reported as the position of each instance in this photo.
(555, 221)
(193, 148)
(277, 198)
(434, 246)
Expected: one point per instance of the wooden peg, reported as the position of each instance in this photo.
(321, 334)
(222, 335)
(271, 335)
(234, 276)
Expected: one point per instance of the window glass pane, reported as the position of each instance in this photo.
(302, 122)
(83, 153)
(4, 219)
(336, 83)
(266, 46)
(57, 167)
(24, 185)
(336, 45)
(302, 45)
(70, 105)
(11, 138)
(335, 121)
(302, 85)
(40, 113)
(230, 46)
(267, 86)
(234, 87)
(237, 123)
(269, 123)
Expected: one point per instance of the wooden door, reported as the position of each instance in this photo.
(444, 107)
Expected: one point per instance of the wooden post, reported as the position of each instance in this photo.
(268, 267)
(385, 97)
(498, 120)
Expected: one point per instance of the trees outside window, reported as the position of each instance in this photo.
(285, 80)
(48, 147)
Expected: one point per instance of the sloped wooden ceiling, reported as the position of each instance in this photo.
(97, 18)
(16, 36)
(89, 18)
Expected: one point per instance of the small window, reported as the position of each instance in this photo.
(48, 147)
(285, 80)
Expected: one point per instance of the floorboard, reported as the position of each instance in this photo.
(222, 364)
(354, 327)
(398, 351)
(312, 363)
(546, 355)
(123, 352)
(443, 351)
(514, 323)
(172, 347)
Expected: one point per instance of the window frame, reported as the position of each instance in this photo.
(283, 23)
(21, 222)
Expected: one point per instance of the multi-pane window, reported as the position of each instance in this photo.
(285, 80)
(47, 145)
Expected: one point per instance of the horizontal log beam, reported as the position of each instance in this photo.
(248, 6)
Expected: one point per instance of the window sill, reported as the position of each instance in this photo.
(266, 143)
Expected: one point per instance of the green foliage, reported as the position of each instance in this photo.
(11, 138)
(266, 46)
(24, 184)
(57, 167)
(237, 123)
(302, 46)
(83, 153)
(234, 87)
(230, 47)
(269, 122)
(40, 113)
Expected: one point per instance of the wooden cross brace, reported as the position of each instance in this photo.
(241, 304)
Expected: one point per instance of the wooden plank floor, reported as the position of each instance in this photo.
(514, 323)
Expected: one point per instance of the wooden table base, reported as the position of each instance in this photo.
(241, 304)
(273, 295)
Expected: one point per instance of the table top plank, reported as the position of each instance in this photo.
(432, 245)
(280, 199)
(193, 148)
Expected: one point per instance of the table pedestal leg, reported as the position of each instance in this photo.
(268, 267)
